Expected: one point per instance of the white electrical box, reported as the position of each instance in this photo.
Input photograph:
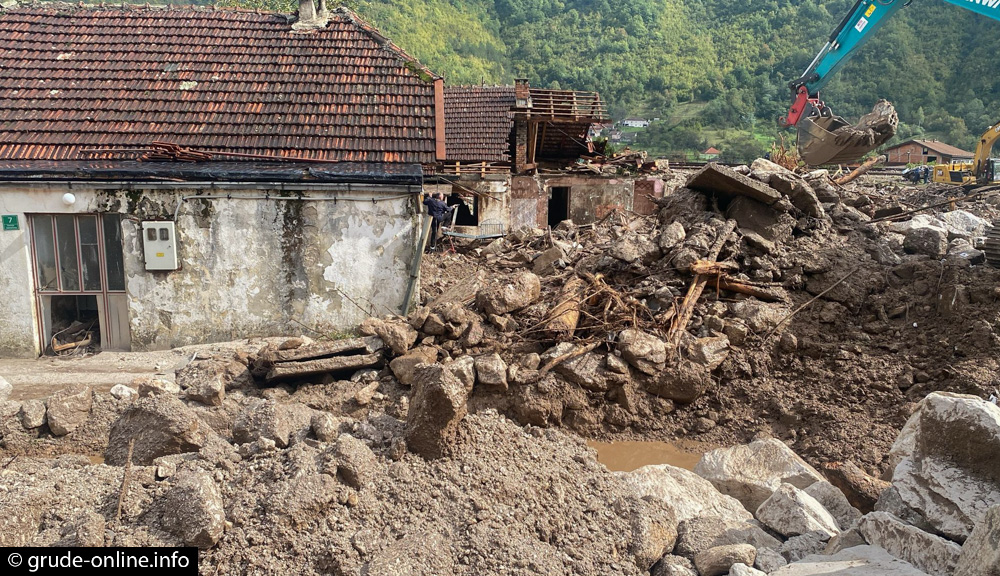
(159, 245)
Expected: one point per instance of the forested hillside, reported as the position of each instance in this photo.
(714, 71)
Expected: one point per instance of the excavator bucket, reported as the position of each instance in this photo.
(834, 140)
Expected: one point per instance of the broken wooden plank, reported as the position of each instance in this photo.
(728, 183)
(288, 370)
(755, 291)
(860, 170)
(565, 315)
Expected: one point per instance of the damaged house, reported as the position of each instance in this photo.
(518, 156)
(173, 176)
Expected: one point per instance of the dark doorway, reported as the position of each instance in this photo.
(467, 210)
(74, 322)
(558, 205)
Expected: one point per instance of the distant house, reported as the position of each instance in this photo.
(712, 153)
(925, 152)
(635, 122)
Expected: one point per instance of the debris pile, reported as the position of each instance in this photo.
(758, 300)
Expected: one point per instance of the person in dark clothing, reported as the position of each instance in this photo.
(438, 210)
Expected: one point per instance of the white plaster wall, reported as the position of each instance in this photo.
(249, 267)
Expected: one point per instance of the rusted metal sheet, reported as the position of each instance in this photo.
(528, 207)
(645, 191)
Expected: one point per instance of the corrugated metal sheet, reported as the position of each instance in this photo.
(239, 81)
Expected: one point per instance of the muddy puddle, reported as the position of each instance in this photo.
(625, 456)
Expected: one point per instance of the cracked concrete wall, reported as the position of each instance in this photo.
(249, 267)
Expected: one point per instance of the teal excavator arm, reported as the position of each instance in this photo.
(860, 24)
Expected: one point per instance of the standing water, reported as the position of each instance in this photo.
(625, 456)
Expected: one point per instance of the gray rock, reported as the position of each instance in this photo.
(434, 325)
(325, 426)
(932, 554)
(671, 565)
(981, 552)
(798, 547)
(928, 240)
(491, 371)
(799, 192)
(654, 532)
(950, 475)
(740, 569)
(717, 561)
(751, 473)
(671, 236)
(123, 392)
(763, 169)
(683, 382)
(365, 395)
(764, 220)
(509, 295)
(192, 509)
(5, 389)
(437, 406)
(157, 386)
(69, 408)
(891, 502)
(644, 351)
(404, 367)
(846, 539)
(635, 249)
(710, 351)
(545, 263)
(699, 534)
(464, 368)
(397, 334)
(586, 370)
(857, 561)
(759, 317)
(356, 462)
(963, 224)
(835, 503)
(768, 560)
(160, 425)
(32, 414)
(284, 423)
(686, 493)
(210, 391)
(791, 512)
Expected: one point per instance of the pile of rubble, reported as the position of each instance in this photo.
(262, 482)
(757, 301)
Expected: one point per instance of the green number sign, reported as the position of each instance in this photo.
(10, 222)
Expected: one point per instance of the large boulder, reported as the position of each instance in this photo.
(643, 351)
(929, 240)
(671, 565)
(266, 419)
(654, 532)
(717, 561)
(751, 473)
(491, 371)
(160, 425)
(930, 553)
(32, 414)
(835, 502)
(5, 389)
(686, 493)
(981, 553)
(683, 382)
(437, 406)
(192, 509)
(68, 408)
(790, 511)
(963, 224)
(510, 295)
(950, 475)
(799, 192)
(856, 561)
(699, 534)
(587, 371)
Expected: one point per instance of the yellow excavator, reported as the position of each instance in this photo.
(824, 138)
(981, 170)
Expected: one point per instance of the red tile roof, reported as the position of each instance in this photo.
(75, 78)
(478, 122)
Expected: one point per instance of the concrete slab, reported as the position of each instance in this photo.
(726, 182)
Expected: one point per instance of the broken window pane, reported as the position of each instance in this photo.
(45, 252)
(69, 267)
(89, 255)
(113, 255)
